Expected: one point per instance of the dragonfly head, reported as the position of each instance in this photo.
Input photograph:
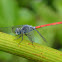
(17, 31)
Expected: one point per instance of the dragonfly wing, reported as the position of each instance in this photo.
(41, 35)
(17, 26)
(10, 29)
(30, 36)
(5, 29)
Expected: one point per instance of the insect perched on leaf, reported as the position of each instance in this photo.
(27, 30)
(24, 30)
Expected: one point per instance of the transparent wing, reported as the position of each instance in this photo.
(41, 35)
(5, 29)
(34, 36)
(10, 29)
(17, 26)
(30, 36)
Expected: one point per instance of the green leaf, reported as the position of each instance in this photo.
(35, 52)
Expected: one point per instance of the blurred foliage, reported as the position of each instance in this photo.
(32, 12)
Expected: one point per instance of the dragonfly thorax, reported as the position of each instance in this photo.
(25, 29)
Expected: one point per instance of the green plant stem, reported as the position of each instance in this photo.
(35, 52)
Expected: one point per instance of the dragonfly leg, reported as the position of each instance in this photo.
(22, 39)
(18, 37)
(32, 42)
(41, 35)
(29, 38)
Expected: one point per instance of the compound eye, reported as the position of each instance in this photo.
(17, 31)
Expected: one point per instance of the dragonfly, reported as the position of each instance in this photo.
(28, 29)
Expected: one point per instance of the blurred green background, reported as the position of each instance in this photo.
(35, 13)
